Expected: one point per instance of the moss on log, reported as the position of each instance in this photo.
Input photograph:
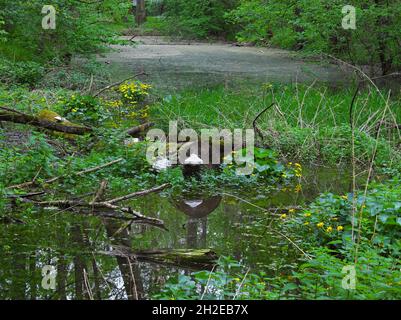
(45, 119)
(186, 258)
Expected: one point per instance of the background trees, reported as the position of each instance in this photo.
(314, 26)
(83, 26)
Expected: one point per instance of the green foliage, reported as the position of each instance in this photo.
(81, 27)
(198, 18)
(84, 108)
(324, 231)
(316, 26)
(311, 124)
(330, 217)
(26, 161)
(21, 72)
(377, 277)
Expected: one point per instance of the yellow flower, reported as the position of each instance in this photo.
(291, 211)
(344, 197)
(298, 188)
(335, 219)
(267, 86)
(329, 229)
(308, 214)
(320, 225)
(74, 110)
(306, 223)
(283, 216)
(340, 228)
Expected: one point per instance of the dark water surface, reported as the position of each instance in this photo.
(78, 247)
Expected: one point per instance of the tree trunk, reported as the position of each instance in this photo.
(140, 16)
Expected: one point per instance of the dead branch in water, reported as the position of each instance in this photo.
(27, 195)
(139, 194)
(80, 173)
(101, 207)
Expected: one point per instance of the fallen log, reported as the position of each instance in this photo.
(135, 131)
(198, 259)
(22, 118)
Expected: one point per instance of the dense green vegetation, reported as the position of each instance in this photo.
(313, 26)
(309, 124)
(81, 27)
(53, 76)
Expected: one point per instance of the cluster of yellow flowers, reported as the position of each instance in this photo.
(328, 229)
(297, 169)
(290, 211)
(115, 103)
(133, 92)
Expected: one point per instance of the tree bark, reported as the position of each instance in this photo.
(140, 16)
(35, 121)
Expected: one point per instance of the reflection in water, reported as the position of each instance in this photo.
(76, 245)
(128, 266)
(197, 210)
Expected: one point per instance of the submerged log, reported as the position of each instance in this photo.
(198, 259)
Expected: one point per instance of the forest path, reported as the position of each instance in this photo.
(179, 64)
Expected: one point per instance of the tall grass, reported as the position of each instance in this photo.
(309, 122)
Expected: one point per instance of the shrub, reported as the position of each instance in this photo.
(28, 73)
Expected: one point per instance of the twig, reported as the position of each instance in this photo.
(30, 183)
(351, 121)
(118, 83)
(255, 127)
(100, 192)
(12, 110)
(276, 231)
(27, 195)
(139, 194)
(241, 284)
(69, 204)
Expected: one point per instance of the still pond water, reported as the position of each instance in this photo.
(78, 247)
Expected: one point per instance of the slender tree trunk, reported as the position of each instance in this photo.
(140, 16)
